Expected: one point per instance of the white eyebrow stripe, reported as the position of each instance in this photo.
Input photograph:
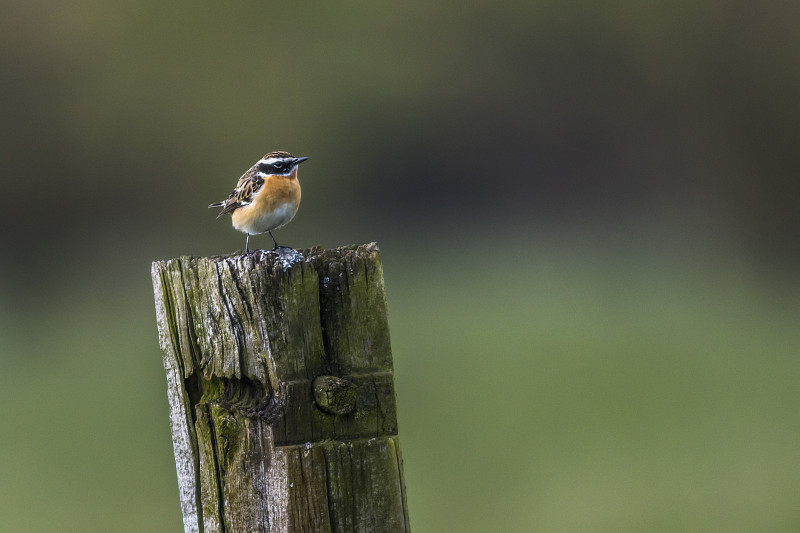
(271, 160)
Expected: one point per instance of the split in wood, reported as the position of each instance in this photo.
(281, 391)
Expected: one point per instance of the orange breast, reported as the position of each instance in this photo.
(275, 205)
(278, 190)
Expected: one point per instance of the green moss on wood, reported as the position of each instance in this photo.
(243, 396)
(334, 395)
(288, 374)
(229, 434)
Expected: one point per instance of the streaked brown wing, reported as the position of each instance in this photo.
(243, 194)
(248, 186)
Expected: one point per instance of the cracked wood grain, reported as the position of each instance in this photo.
(250, 345)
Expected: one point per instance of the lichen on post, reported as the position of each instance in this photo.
(281, 391)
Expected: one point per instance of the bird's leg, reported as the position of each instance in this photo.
(247, 244)
(273, 240)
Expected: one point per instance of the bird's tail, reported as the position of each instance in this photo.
(218, 204)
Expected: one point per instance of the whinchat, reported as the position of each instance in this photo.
(266, 197)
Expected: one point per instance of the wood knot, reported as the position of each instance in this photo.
(243, 395)
(335, 396)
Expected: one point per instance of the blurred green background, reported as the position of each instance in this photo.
(588, 215)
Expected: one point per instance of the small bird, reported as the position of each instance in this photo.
(266, 197)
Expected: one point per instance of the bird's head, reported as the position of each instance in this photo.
(278, 164)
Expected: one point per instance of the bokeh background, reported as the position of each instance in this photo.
(588, 215)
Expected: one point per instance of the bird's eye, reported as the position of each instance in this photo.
(279, 164)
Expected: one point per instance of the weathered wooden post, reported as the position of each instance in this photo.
(281, 392)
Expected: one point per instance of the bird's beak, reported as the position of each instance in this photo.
(298, 160)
